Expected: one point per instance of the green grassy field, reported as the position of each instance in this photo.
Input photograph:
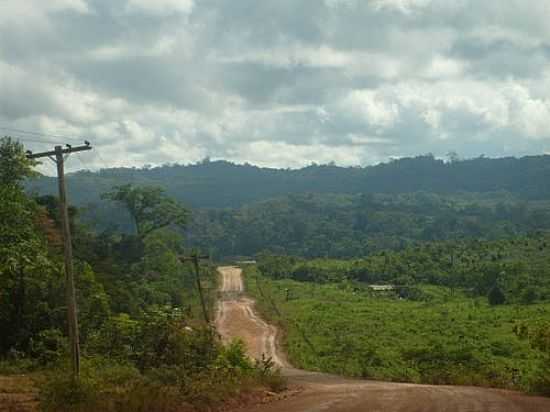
(450, 338)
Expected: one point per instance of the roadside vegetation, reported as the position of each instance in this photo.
(475, 313)
(144, 346)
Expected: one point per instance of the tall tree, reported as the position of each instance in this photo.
(24, 265)
(149, 207)
(14, 165)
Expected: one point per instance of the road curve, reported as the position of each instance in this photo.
(236, 318)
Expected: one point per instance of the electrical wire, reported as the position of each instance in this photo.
(47, 141)
(42, 141)
(80, 161)
(28, 132)
(102, 161)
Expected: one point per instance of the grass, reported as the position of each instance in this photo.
(449, 339)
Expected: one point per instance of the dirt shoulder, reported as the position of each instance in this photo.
(18, 394)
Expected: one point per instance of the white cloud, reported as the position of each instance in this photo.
(279, 83)
(161, 7)
(442, 67)
(403, 6)
(36, 11)
(372, 107)
(275, 154)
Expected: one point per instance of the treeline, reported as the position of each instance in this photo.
(513, 270)
(221, 184)
(345, 226)
(144, 344)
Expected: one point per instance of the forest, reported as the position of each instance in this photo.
(241, 210)
(347, 226)
(221, 184)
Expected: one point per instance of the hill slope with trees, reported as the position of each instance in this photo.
(244, 209)
(223, 184)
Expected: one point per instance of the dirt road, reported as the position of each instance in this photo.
(236, 318)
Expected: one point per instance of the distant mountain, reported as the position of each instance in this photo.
(221, 184)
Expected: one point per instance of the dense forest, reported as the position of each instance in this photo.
(243, 209)
(221, 184)
(339, 225)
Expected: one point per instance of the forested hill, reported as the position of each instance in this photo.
(222, 184)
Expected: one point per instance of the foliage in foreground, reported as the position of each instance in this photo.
(143, 347)
(120, 387)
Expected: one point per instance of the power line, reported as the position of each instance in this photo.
(25, 139)
(43, 141)
(80, 161)
(28, 132)
(103, 162)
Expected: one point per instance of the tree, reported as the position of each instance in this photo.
(149, 207)
(14, 165)
(529, 295)
(27, 275)
(496, 296)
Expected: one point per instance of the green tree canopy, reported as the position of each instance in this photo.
(149, 207)
(496, 296)
(14, 165)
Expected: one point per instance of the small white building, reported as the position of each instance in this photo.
(382, 288)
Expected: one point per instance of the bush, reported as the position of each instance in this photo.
(529, 296)
(116, 338)
(60, 392)
(106, 386)
(190, 368)
(541, 383)
(268, 375)
(49, 347)
(16, 363)
(496, 296)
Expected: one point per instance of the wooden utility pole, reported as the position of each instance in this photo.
(72, 318)
(195, 259)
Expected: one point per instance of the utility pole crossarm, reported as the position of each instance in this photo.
(67, 150)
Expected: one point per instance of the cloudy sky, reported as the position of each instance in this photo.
(277, 82)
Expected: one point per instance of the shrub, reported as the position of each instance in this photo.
(190, 368)
(49, 347)
(269, 375)
(541, 383)
(105, 386)
(115, 339)
(496, 296)
(17, 363)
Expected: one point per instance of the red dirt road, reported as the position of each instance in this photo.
(320, 392)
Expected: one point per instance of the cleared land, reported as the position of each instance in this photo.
(236, 318)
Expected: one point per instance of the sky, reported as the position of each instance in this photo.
(278, 83)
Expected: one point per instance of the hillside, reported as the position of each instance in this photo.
(221, 184)
(244, 209)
